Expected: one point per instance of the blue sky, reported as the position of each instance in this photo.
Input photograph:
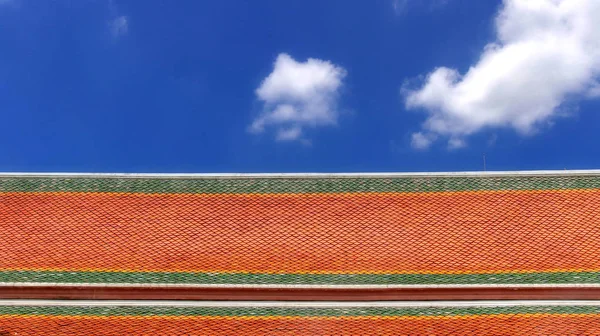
(298, 86)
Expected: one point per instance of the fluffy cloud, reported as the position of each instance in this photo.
(297, 95)
(119, 26)
(422, 141)
(546, 52)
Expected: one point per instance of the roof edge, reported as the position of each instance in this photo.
(306, 175)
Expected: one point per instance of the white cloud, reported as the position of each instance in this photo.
(594, 91)
(546, 52)
(297, 95)
(422, 141)
(119, 26)
(287, 134)
(456, 143)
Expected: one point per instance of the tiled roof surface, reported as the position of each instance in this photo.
(316, 230)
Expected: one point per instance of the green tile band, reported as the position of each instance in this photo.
(292, 279)
(296, 185)
(147, 311)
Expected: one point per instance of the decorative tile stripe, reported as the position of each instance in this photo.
(295, 185)
(291, 312)
(295, 279)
